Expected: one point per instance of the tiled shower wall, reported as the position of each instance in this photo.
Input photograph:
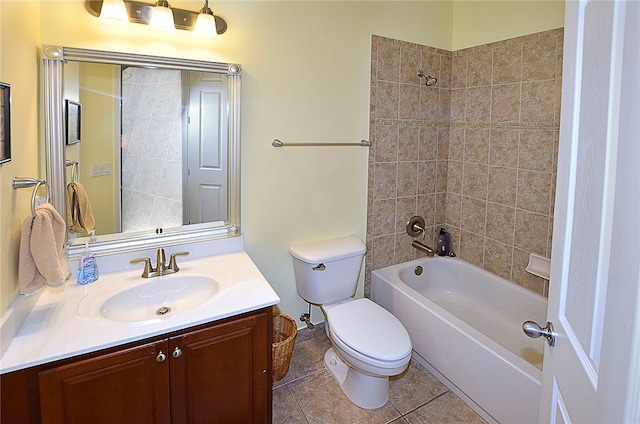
(151, 149)
(410, 143)
(475, 153)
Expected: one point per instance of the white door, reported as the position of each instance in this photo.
(592, 375)
(206, 193)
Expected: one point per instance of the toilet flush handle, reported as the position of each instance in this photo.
(320, 267)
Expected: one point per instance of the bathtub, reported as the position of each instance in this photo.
(465, 326)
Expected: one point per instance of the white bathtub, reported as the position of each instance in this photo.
(466, 323)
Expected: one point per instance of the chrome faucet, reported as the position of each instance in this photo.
(423, 247)
(415, 227)
(161, 268)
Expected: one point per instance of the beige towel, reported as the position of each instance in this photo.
(80, 212)
(42, 260)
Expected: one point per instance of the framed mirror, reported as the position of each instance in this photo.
(159, 160)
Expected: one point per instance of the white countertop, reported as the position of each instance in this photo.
(53, 329)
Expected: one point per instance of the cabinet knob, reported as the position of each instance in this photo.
(161, 357)
(177, 352)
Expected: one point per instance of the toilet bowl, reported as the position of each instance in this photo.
(368, 344)
(368, 337)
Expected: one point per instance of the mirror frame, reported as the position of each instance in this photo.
(53, 58)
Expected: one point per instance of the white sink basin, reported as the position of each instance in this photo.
(133, 299)
(158, 298)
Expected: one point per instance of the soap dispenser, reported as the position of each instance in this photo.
(87, 267)
(441, 245)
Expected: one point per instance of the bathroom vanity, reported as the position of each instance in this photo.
(194, 346)
(214, 373)
(69, 362)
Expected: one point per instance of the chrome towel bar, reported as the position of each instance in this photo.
(278, 143)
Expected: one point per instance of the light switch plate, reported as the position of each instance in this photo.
(100, 169)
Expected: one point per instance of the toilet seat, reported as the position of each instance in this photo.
(370, 332)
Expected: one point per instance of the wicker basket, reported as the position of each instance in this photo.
(284, 337)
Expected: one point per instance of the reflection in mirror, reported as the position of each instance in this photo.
(155, 147)
(159, 150)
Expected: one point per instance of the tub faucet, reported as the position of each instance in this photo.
(423, 248)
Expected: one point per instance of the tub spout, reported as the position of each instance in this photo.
(422, 247)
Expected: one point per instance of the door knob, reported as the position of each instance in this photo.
(532, 329)
(161, 357)
(177, 352)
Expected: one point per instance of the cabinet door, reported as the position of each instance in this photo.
(130, 386)
(222, 373)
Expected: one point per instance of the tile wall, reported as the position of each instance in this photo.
(476, 153)
(410, 143)
(151, 149)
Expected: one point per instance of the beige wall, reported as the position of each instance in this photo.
(477, 22)
(306, 78)
(99, 142)
(20, 34)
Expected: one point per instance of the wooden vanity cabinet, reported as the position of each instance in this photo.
(215, 373)
(128, 386)
(222, 374)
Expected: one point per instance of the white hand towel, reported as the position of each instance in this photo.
(42, 260)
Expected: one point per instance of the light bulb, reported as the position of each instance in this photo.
(162, 17)
(113, 12)
(206, 25)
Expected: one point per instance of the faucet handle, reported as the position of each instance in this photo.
(172, 260)
(415, 226)
(147, 266)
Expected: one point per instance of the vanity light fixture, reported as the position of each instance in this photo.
(141, 13)
(206, 22)
(162, 17)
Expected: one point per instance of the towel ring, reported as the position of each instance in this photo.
(31, 182)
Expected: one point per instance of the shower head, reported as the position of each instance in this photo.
(429, 79)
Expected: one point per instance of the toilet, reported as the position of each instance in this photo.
(368, 344)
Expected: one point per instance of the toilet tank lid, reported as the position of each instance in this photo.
(328, 250)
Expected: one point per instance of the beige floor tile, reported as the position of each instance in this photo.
(308, 357)
(414, 387)
(323, 402)
(308, 394)
(305, 334)
(285, 408)
(447, 409)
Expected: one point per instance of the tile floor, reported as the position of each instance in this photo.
(308, 394)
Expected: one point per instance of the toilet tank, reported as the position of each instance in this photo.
(327, 271)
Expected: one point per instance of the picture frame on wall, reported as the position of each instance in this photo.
(5, 122)
(73, 115)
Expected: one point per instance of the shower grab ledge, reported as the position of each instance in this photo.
(539, 266)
